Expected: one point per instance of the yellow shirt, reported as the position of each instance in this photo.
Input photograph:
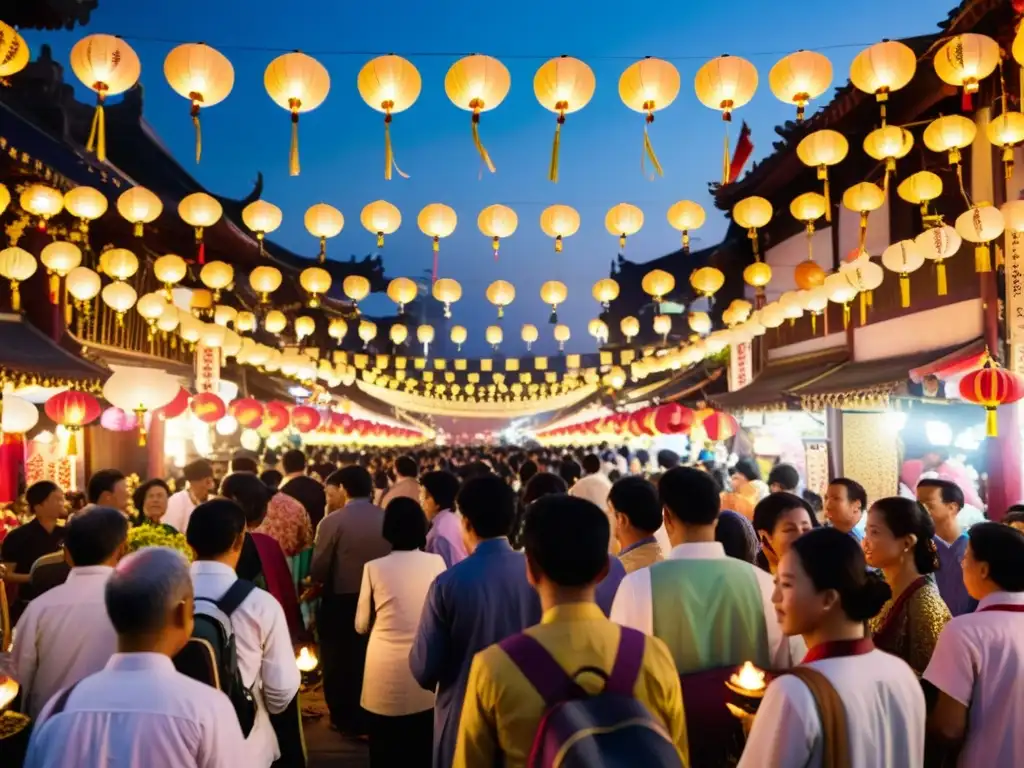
(502, 710)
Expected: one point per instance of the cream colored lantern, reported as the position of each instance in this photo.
(151, 308)
(529, 334)
(298, 83)
(647, 86)
(630, 327)
(264, 281)
(19, 415)
(337, 329)
(883, 68)
(59, 258)
(606, 291)
(820, 150)
(951, 134)
(757, 275)
(1007, 131)
(275, 322)
(699, 322)
(168, 319)
(381, 218)
(223, 315)
(85, 204)
(218, 275)
(938, 244)
(201, 74)
(792, 304)
(16, 265)
(119, 263)
(425, 336)
(323, 221)
(686, 216)
(398, 333)
(5, 196)
(623, 220)
(980, 224)
(863, 198)
(458, 336)
(663, 326)
(139, 207)
(14, 52)
(42, 201)
(120, 297)
(706, 281)
(726, 83)
(108, 66)
(447, 291)
(920, 189)
(864, 275)
(800, 77)
(553, 293)
(501, 293)
(261, 218)
(140, 391)
(598, 328)
(304, 328)
(389, 84)
(752, 213)
(563, 85)
(903, 257)
(478, 84)
(888, 143)
(316, 282)
(245, 322)
(494, 336)
(436, 221)
(497, 222)
(402, 291)
(562, 335)
(657, 284)
(357, 288)
(965, 60)
(200, 210)
(808, 208)
(840, 291)
(83, 284)
(772, 315)
(1013, 215)
(559, 221)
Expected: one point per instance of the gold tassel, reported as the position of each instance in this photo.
(495, 243)
(982, 259)
(846, 315)
(98, 131)
(622, 242)
(863, 309)
(54, 288)
(725, 157)
(890, 166)
(15, 296)
(72, 443)
(649, 150)
(686, 241)
(1008, 162)
(558, 244)
(810, 241)
(904, 290)
(823, 175)
(323, 250)
(991, 422)
(389, 153)
(863, 231)
(380, 239)
(67, 313)
(814, 323)
(553, 169)
(195, 123)
(871, 299)
(479, 144)
(940, 274)
(293, 152)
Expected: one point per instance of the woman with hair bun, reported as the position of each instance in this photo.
(898, 541)
(848, 703)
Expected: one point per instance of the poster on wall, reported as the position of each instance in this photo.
(48, 461)
(741, 365)
(207, 369)
(816, 465)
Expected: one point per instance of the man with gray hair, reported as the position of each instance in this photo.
(138, 710)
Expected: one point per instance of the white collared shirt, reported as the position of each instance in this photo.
(979, 662)
(179, 510)
(634, 604)
(63, 635)
(139, 711)
(265, 654)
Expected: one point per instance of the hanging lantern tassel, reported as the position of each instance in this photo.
(882, 96)
(814, 323)
(437, 248)
(98, 130)
(863, 231)
(622, 242)
(477, 105)
(553, 319)
(890, 168)
(200, 246)
(648, 147)
(810, 241)
(54, 288)
(140, 414)
(846, 315)
(686, 241)
(72, 442)
(293, 152)
(68, 313)
(1008, 162)
(15, 296)
(940, 276)
(389, 153)
(982, 258)
(823, 176)
(558, 244)
(259, 241)
(864, 302)
(553, 169)
(380, 239)
(904, 289)
(501, 311)
(991, 421)
(494, 243)
(196, 100)
(323, 250)
(752, 234)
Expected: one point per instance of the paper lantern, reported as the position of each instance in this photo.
(119, 263)
(529, 334)
(647, 86)
(305, 418)
(170, 270)
(436, 221)
(19, 415)
(218, 275)
(919, 189)
(72, 410)
(598, 329)
(42, 201)
(447, 291)
(562, 335)
(1013, 215)
(771, 315)
(559, 221)
(720, 426)
(174, 408)
(83, 284)
(820, 150)
(606, 291)
(381, 218)
(139, 207)
(699, 322)
(367, 331)
(276, 417)
(224, 315)
(1007, 131)
(108, 66)
(84, 203)
(623, 220)
(964, 60)
(337, 329)
(706, 281)
(657, 284)
(59, 258)
(275, 322)
(140, 391)
(939, 244)
(212, 335)
(980, 224)
(316, 282)
(863, 198)
(323, 221)
(398, 334)
(14, 52)
(401, 290)
(686, 216)
(673, 419)
(752, 213)
(808, 208)
(663, 326)
(494, 335)
(951, 134)
(726, 83)
(497, 221)
(16, 265)
(304, 327)
(298, 83)
(903, 258)
(200, 210)
(553, 293)
(261, 218)
(189, 328)
(792, 304)
(263, 280)
(458, 336)
(808, 275)
(478, 84)
(501, 293)
(888, 143)
(389, 84)
(247, 411)
(990, 387)
(208, 407)
(201, 74)
(757, 275)
(425, 336)
(151, 307)
(800, 77)
(865, 276)
(562, 85)
(883, 68)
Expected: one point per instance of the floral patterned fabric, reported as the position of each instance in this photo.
(287, 523)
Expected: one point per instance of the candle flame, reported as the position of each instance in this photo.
(306, 661)
(749, 678)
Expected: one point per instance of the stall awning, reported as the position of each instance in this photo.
(28, 356)
(871, 382)
(771, 387)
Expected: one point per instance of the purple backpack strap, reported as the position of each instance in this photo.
(628, 660)
(540, 668)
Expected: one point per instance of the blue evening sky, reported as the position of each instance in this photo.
(342, 141)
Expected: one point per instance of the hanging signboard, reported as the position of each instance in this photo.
(816, 465)
(207, 369)
(1015, 299)
(741, 365)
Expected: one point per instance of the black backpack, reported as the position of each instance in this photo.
(210, 655)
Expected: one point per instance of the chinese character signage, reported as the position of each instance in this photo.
(207, 369)
(49, 461)
(741, 365)
(816, 465)
(1015, 298)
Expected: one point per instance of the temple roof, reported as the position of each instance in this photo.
(46, 14)
(27, 350)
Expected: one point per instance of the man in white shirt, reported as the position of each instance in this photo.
(978, 663)
(65, 634)
(595, 486)
(138, 710)
(199, 477)
(266, 660)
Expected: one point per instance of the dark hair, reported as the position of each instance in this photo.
(1002, 547)
(691, 496)
(101, 482)
(215, 525)
(770, 509)
(38, 493)
(736, 535)
(637, 499)
(293, 461)
(747, 467)
(488, 504)
(1014, 515)
(591, 464)
(785, 476)
(355, 480)
(668, 459)
(543, 484)
(405, 525)
(93, 537)
(949, 491)
(200, 469)
(569, 471)
(854, 491)
(906, 516)
(381, 481)
(271, 478)
(834, 560)
(442, 487)
(476, 469)
(249, 493)
(814, 500)
(567, 539)
(139, 496)
(406, 466)
(244, 464)
(527, 471)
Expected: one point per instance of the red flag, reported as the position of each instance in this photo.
(744, 148)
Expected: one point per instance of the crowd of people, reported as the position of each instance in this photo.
(480, 606)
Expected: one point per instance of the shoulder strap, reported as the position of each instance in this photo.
(628, 661)
(62, 699)
(834, 729)
(234, 597)
(541, 670)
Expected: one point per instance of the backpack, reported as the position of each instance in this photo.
(580, 730)
(210, 655)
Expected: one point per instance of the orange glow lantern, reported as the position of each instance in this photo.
(720, 426)
(990, 387)
(208, 407)
(275, 416)
(248, 412)
(305, 418)
(73, 410)
(673, 419)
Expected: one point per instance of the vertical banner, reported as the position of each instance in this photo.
(49, 461)
(741, 365)
(207, 369)
(816, 465)
(1015, 299)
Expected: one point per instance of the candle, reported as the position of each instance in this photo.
(749, 680)
(306, 661)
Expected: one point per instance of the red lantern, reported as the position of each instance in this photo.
(720, 426)
(208, 407)
(174, 408)
(991, 387)
(248, 412)
(73, 410)
(673, 419)
(305, 418)
(275, 416)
